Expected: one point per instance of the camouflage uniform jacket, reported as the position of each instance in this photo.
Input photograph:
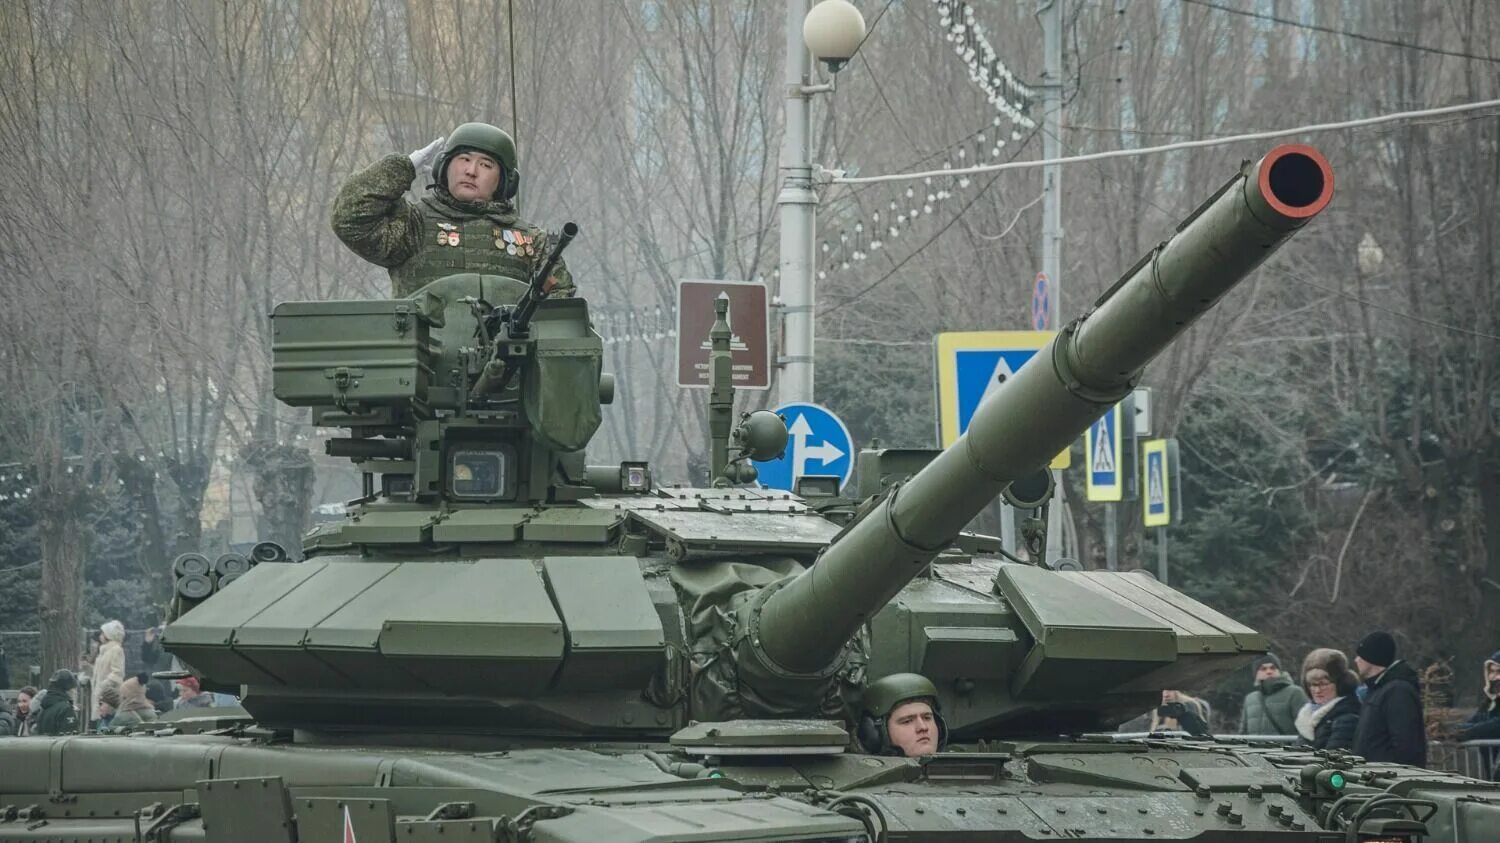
(437, 236)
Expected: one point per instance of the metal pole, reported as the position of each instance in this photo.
(798, 206)
(1111, 537)
(1050, 14)
(1161, 554)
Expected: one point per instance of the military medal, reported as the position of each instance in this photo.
(510, 249)
(453, 238)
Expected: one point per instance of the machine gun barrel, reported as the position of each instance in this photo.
(520, 318)
(799, 626)
(499, 369)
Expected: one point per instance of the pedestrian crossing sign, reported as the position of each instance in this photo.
(1103, 454)
(1157, 510)
(971, 366)
(1160, 504)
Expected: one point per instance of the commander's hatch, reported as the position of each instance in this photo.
(689, 522)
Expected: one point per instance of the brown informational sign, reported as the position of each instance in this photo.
(748, 322)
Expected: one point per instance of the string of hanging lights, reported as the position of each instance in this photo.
(858, 240)
(862, 236)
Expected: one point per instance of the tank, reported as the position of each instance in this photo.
(501, 641)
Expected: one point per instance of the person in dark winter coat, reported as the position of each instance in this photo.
(1271, 709)
(1330, 720)
(1484, 723)
(9, 725)
(58, 717)
(1391, 726)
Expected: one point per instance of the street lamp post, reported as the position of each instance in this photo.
(832, 30)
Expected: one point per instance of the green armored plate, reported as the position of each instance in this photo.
(1198, 628)
(202, 637)
(388, 526)
(1083, 638)
(593, 526)
(703, 530)
(480, 525)
(737, 500)
(763, 737)
(623, 503)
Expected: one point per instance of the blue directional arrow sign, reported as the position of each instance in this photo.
(1104, 475)
(817, 443)
(971, 365)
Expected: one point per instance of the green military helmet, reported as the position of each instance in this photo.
(492, 141)
(885, 695)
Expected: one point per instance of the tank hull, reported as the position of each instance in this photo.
(223, 788)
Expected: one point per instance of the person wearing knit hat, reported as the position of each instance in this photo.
(1484, 724)
(1377, 649)
(58, 717)
(109, 702)
(1391, 725)
(1271, 707)
(1331, 718)
(134, 708)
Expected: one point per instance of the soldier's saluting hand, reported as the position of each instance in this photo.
(466, 220)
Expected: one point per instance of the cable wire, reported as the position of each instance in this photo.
(1431, 323)
(1025, 142)
(1358, 36)
(1396, 117)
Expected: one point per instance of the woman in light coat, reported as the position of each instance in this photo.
(109, 666)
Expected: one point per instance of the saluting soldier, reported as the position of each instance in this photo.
(466, 221)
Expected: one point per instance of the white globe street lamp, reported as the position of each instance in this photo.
(833, 30)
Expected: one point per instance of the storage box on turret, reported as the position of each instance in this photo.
(353, 355)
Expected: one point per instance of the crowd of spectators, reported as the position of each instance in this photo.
(1371, 707)
(113, 700)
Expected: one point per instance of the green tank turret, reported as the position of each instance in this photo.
(500, 641)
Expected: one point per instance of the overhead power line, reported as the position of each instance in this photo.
(1357, 36)
(1397, 117)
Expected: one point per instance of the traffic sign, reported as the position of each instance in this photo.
(1142, 397)
(971, 365)
(749, 345)
(1041, 303)
(818, 442)
(1160, 505)
(1102, 453)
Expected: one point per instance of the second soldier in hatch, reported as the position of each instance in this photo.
(900, 716)
(466, 221)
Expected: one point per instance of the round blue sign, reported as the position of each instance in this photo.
(1041, 303)
(817, 443)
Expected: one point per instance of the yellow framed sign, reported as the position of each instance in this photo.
(973, 364)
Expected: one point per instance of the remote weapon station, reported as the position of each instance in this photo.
(501, 641)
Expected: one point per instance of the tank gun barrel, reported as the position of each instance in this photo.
(800, 625)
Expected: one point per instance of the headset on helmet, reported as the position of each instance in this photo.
(492, 141)
(885, 695)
